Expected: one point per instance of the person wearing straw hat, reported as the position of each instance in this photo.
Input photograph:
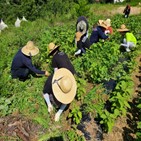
(98, 32)
(109, 29)
(59, 60)
(59, 89)
(22, 64)
(129, 40)
(81, 46)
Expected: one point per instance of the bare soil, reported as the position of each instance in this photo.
(134, 10)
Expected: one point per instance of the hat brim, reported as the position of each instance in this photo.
(108, 22)
(58, 93)
(122, 30)
(28, 52)
(56, 47)
(104, 26)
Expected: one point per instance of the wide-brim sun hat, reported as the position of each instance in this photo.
(123, 28)
(100, 21)
(30, 49)
(64, 86)
(78, 35)
(108, 22)
(82, 27)
(52, 47)
(102, 24)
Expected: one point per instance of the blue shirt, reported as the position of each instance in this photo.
(22, 61)
(97, 34)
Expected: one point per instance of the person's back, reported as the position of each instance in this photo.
(130, 38)
(61, 60)
(18, 61)
(97, 34)
(82, 25)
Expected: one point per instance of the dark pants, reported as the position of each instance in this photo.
(21, 73)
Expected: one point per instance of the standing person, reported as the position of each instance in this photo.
(81, 46)
(98, 32)
(59, 60)
(109, 29)
(22, 64)
(127, 11)
(129, 40)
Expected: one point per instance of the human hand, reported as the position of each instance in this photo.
(57, 116)
(47, 73)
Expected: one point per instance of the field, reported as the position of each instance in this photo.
(107, 104)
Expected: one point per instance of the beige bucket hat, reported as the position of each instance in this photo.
(78, 35)
(64, 86)
(102, 24)
(108, 22)
(52, 47)
(30, 49)
(123, 28)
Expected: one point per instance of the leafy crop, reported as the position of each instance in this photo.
(100, 63)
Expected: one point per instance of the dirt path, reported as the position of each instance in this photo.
(134, 10)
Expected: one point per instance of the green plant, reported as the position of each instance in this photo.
(75, 114)
(72, 135)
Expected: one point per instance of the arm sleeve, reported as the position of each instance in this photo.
(29, 64)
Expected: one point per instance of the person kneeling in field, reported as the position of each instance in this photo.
(98, 32)
(81, 43)
(59, 60)
(129, 40)
(59, 89)
(22, 64)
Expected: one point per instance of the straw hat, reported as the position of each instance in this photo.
(64, 86)
(52, 47)
(123, 28)
(102, 24)
(82, 27)
(30, 49)
(108, 22)
(78, 35)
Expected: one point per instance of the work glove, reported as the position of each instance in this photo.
(50, 108)
(57, 116)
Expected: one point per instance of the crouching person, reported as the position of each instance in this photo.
(22, 65)
(82, 43)
(59, 89)
(129, 40)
